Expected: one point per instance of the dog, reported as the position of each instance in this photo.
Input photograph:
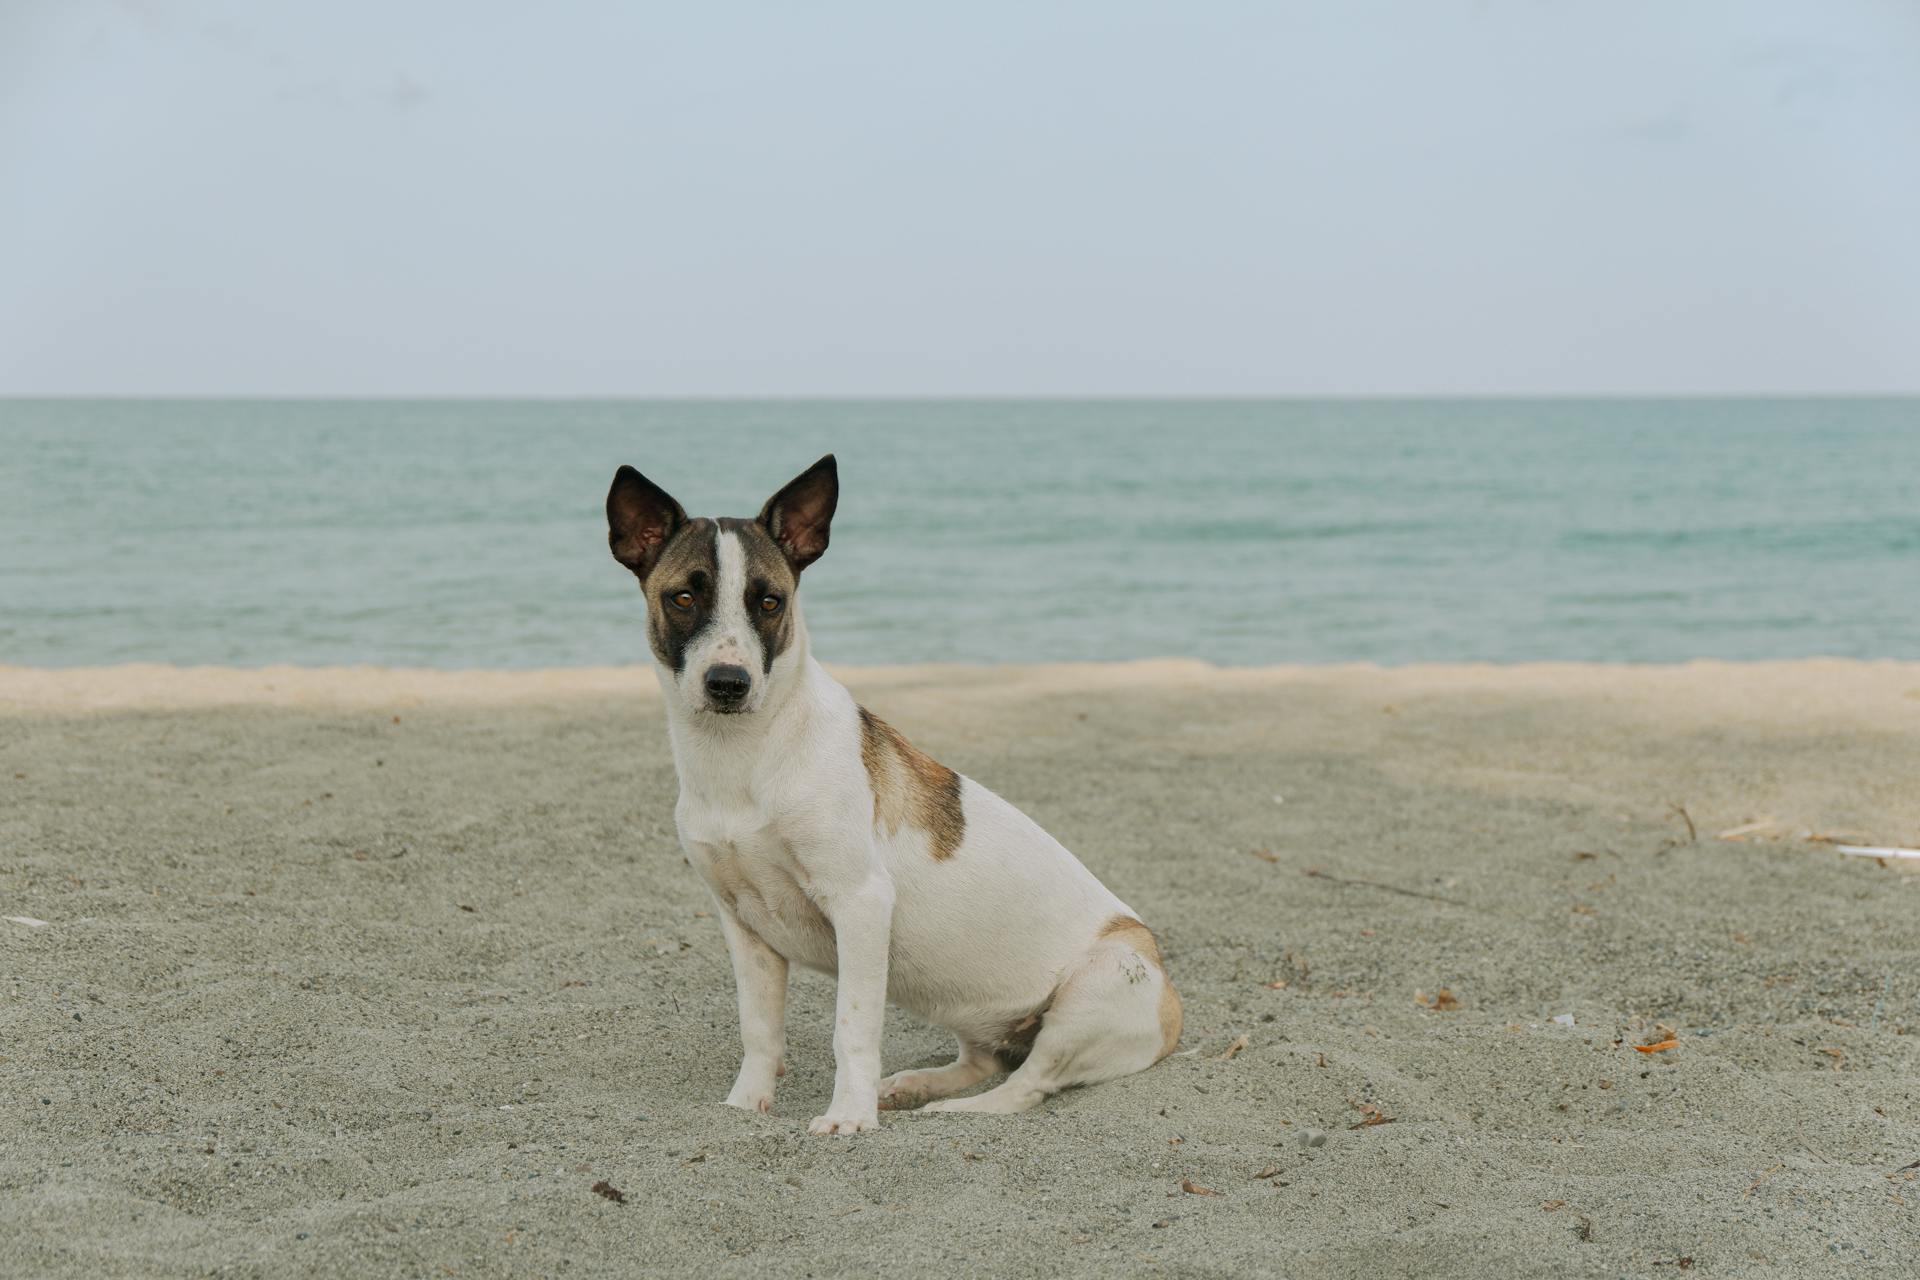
(830, 841)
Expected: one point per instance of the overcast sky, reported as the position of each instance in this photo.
(754, 199)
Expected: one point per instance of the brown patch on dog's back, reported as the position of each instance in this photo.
(910, 787)
(1141, 939)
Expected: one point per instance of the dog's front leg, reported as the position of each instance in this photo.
(760, 984)
(863, 927)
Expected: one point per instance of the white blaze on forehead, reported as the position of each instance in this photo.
(730, 637)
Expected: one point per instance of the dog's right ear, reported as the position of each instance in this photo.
(641, 519)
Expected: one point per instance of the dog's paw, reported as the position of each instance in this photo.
(904, 1090)
(830, 1123)
(749, 1100)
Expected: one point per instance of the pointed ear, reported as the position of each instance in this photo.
(641, 519)
(798, 517)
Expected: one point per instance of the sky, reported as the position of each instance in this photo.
(736, 199)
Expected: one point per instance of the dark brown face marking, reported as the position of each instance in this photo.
(768, 578)
(910, 787)
(690, 564)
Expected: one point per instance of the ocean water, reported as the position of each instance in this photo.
(471, 534)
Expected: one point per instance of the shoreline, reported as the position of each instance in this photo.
(156, 685)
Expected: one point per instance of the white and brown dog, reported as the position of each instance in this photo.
(829, 841)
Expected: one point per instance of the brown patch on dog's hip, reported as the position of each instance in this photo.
(1141, 939)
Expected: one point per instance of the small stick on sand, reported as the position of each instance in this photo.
(1877, 851)
(1318, 874)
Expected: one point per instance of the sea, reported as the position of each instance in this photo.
(471, 533)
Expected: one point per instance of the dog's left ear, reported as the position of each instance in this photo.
(799, 516)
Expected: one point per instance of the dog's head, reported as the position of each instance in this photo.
(721, 614)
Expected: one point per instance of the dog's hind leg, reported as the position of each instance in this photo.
(1115, 1014)
(905, 1089)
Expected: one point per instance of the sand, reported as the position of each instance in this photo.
(378, 973)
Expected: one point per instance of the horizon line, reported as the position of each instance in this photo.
(980, 397)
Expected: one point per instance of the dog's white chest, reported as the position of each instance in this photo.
(752, 871)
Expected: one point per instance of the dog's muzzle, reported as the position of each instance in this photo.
(728, 686)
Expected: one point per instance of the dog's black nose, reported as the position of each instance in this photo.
(728, 684)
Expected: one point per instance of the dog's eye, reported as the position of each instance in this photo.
(769, 604)
(682, 599)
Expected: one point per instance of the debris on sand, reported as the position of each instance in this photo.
(1193, 1188)
(1441, 1001)
(608, 1191)
(1877, 851)
(1370, 1115)
(1233, 1050)
(28, 921)
(1363, 883)
(1749, 830)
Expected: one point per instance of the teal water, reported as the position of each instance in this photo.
(470, 534)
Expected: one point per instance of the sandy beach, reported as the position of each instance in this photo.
(380, 973)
